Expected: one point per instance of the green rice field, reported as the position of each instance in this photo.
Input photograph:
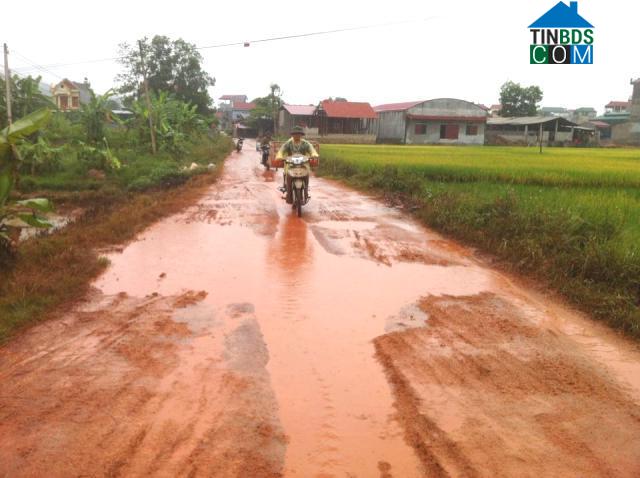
(570, 216)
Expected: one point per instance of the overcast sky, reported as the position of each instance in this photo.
(463, 49)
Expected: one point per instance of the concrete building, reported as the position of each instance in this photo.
(582, 115)
(298, 115)
(437, 121)
(69, 95)
(617, 107)
(628, 132)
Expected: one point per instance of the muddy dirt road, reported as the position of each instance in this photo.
(236, 340)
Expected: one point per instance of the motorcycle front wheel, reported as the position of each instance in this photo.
(297, 200)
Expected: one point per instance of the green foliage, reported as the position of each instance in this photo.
(26, 98)
(570, 216)
(22, 213)
(264, 115)
(40, 156)
(173, 67)
(94, 116)
(519, 101)
(61, 129)
(177, 124)
(99, 157)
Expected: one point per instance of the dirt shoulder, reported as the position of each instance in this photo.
(53, 271)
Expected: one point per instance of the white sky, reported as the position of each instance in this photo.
(465, 49)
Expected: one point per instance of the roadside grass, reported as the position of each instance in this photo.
(569, 216)
(140, 170)
(54, 270)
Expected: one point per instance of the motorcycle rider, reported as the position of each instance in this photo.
(264, 147)
(294, 145)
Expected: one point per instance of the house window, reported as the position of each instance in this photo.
(472, 130)
(75, 102)
(64, 102)
(421, 128)
(449, 131)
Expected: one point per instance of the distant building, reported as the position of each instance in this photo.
(344, 118)
(628, 131)
(529, 130)
(70, 95)
(582, 115)
(495, 110)
(298, 115)
(233, 109)
(617, 107)
(233, 98)
(437, 121)
(555, 111)
(241, 110)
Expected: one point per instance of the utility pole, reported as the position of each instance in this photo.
(540, 137)
(7, 84)
(154, 148)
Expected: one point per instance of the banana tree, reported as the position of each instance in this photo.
(21, 213)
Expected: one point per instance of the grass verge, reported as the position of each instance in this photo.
(575, 223)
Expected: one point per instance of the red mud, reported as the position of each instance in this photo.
(246, 346)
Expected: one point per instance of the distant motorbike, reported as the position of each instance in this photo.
(264, 148)
(297, 181)
(239, 145)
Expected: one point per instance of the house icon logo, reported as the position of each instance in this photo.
(561, 37)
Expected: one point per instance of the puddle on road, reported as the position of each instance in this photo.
(318, 311)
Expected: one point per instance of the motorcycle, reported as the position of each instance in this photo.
(297, 179)
(265, 155)
(239, 145)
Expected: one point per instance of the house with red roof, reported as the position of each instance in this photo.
(344, 118)
(617, 107)
(241, 110)
(437, 121)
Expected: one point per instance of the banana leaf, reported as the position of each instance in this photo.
(25, 126)
(35, 221)
(39, 204)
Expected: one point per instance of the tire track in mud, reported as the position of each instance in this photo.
(483, 391)
(156, 386)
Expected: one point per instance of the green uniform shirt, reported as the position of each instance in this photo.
(289, 148)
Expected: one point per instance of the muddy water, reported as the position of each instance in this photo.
(323, 287)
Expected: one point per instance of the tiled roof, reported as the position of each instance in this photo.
(396, 106)
(347, 109)
(300, 110)
(242, 106)
(613, 104)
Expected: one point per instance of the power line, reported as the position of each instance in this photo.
(310, 34)
(230, 44)
(35, 65)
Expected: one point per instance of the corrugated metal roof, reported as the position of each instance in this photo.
(300, 110)
(348, 109)
(396, 106)
(527, 120)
